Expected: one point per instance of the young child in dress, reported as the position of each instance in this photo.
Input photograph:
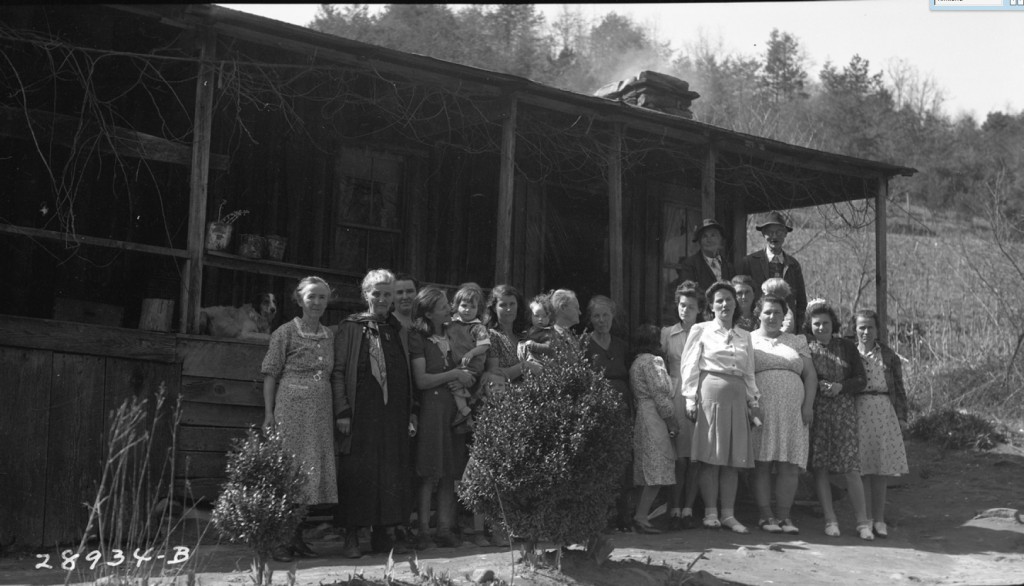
(538, 339)
(470, 342)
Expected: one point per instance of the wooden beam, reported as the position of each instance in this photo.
(627, 118)
(91, 240)
(192, 281)
(881, 260)
(616, 269)
(739, 230)
(707, 182)
(506, 196)
(78, 338)
(37, 125)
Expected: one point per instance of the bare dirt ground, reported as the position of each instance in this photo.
(951, 522)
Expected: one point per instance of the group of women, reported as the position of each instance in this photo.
(756, 396)
(708, 398)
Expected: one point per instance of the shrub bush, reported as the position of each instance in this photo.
(956, 430)
(549, 453)
(259, 505)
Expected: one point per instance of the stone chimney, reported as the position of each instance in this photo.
(653, 90)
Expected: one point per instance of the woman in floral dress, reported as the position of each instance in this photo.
(297, 399)
(881, 418)
(834, 447)
(655, 428)
(787, 381)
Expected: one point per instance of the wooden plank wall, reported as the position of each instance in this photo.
(55, 420)
(222, 395)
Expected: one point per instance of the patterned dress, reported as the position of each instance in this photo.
(653, 450)
(881, 441)
(502, 348)
(302, 365)
(834, 441)
(782, 437)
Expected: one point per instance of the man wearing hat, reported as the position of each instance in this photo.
(773, 262)
(707, 265)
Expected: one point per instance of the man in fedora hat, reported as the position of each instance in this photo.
(773, 262)
(707, 265)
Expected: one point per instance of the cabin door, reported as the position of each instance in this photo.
(576, 242)
(681, 215)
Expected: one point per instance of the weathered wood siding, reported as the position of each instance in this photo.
(59, 383)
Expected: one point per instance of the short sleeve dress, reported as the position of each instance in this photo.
(440, 453)
(782, 436)
(881, 445)
(653, 450)
(302, 365)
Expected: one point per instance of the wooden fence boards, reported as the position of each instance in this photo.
(24, 419)
(222, 391)
(74, 445)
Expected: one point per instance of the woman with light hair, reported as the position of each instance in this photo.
(608, 353)
(375, 413)
(567, 315)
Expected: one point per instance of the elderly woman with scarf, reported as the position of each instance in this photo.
(375, 413)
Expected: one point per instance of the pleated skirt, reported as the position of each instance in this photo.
(721, 436)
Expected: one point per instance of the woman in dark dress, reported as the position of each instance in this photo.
(440, 453)
(375, 415)
(608, 353)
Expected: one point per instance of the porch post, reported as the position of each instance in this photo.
(881, 262)
(192, 276)
(739, 230)
(506, 197)
(707, 183)
(616, 272)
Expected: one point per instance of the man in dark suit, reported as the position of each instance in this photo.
(773, 262)
(707, 265)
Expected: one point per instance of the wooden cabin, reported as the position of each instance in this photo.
(127, 130)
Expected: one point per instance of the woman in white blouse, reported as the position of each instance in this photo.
(717, 373)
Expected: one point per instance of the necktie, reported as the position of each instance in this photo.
(716, 267)
(378, 367)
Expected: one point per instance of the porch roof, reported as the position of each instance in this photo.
(428, 69)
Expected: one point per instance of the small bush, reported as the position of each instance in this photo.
(259, 505)
(549, 453)
(956, 430)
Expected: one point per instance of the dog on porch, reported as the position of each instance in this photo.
(252, 321)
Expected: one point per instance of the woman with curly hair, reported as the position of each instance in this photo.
(834, 447)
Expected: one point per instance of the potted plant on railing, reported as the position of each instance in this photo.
(218, 232)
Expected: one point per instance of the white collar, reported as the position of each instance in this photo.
(771, 257)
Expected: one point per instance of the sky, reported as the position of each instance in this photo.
(977, 58)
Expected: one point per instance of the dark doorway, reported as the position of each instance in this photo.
(576, 242)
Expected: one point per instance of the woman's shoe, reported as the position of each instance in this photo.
(712, 522)
(302, 549)
(737, 527)
(282, 553)
(423, 541)
(448, 539)
(881, 530)
(645, 528)
(865, 533)
(788, 527)
(832, 529)
(351, 547)
(771, 525)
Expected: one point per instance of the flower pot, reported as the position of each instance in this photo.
(251, 246)
(275, 247)
(218, 236)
